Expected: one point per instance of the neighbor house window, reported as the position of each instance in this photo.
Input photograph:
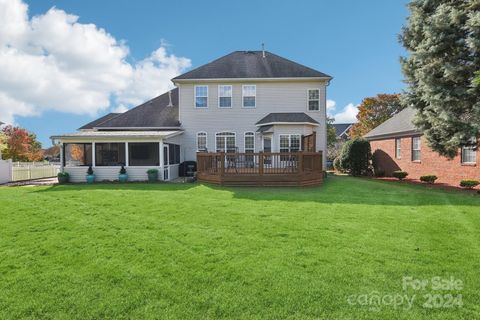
(110, 154)
(398, 148)
(469, 152)
(201, 141)
(289, 142)
(143, 154)
(313, 99)
(249, 93)
(77, 154)
(249, 142)
(224, 96)
(416, 148)
(201, 96)
(225, 142)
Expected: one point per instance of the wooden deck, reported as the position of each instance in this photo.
(260, 169)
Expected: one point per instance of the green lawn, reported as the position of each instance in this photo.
(164, 251)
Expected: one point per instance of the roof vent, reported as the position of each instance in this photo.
(263, 50)
(170, 104)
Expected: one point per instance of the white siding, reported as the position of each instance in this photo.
(77, 174)
(270, 97)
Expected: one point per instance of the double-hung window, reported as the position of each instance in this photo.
(201, 96)
(313, 100)
(201, 141)
(249, 95)
(416, 148)
(469, 152)
(249, 143)
(224, 96)
(398, 148)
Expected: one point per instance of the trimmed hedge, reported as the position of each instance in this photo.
(469, 184)
(399, 174)
(429, 178)
(355, 157)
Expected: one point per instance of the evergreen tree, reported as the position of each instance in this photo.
(443, 41)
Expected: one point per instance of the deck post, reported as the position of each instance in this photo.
(260, 163)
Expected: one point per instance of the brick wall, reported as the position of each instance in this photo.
(448, 171)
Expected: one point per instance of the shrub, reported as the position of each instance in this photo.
(469, 184)
(429, 178)
(90, 170)
(152, 171)
(355, 157)
(399, 174)
(63, 175)
(123, 170)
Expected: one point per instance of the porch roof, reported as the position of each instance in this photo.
(118, 134)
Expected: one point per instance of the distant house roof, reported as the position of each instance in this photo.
(251, 64)
(152, 114)
(399, 124)
(286, 117)
(98, 121)
(342, 128)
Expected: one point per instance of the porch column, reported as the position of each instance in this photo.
(160, 149)
(93, 154)
(127, 160)
(62, 152)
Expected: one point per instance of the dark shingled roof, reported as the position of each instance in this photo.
(341, 127)
(151, 114)
(401, 123)
(292, 117)
(98, 121)
(251, 64)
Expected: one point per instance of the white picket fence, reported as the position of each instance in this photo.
(33, 170)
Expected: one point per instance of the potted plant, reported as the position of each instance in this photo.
(152, 175)
(63, 177)
(90, 175)
(122, 175)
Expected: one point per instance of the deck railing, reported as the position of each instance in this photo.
(262, 168)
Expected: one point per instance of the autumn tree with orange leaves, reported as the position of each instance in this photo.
(21, 145)
(373, 111)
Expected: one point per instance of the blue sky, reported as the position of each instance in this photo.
(354, 41)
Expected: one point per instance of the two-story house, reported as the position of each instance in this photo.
(245, 102)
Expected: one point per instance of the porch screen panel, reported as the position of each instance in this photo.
(110, 154)
(173, 153)
(143, 154)
(77, 154)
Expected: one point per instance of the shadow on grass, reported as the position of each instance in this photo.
(335, 190)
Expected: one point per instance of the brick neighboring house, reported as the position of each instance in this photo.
(398, 145)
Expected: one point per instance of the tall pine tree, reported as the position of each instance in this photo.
(443, 41)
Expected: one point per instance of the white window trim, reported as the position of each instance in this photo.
(206, 140)
(243, 96)
(308, 99)
(419, 149)
(289, 141)
(469, 148)
(250, 134)
(195, 96)
(225, 131)
(398, 147)
(231, 97)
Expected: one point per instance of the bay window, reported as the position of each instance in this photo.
(289, 142)
(249, 143)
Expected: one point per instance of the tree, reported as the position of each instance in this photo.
(373, 111)
(21, 145)
(331, 132)
(355, 157)
(476, 81)
(3, 144)
(443, 40)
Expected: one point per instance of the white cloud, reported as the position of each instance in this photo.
(348, 114)
(331, 104)
(53, 62)
(121, 108)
